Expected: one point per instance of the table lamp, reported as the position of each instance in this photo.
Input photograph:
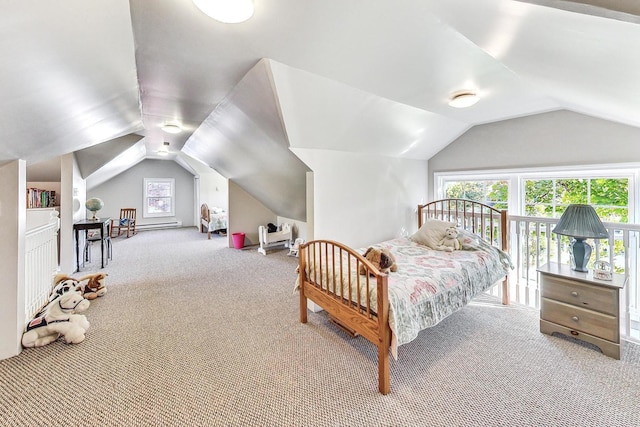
(580, 222)
(94, 205)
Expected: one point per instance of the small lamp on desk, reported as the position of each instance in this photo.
(580, 222)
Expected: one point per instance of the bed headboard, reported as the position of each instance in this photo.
(483, 220)
(205, 213)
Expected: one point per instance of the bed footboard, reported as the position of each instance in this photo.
(329, 276)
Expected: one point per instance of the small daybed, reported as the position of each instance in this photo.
(212, 220)
(429, 285)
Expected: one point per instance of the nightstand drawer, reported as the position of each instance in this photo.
(583, 320)
(597, 298)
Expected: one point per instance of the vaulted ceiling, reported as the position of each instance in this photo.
(76, 73)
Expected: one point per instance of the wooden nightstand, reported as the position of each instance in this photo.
(577, 305)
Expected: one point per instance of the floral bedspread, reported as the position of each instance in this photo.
(218, 221)
(430, 285)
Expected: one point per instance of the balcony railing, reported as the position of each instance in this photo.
(532, 244)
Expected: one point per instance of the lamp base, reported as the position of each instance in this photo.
(580, 252)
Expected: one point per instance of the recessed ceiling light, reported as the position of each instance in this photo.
(226, 11)
(464, 99)
(172, 128)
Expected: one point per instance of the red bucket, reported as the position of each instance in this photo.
(238, 240)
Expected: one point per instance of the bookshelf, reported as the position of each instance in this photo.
(43, 195)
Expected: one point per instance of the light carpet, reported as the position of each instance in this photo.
(192, 333)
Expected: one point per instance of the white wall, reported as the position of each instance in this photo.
(126, 191)
(362, 199)
(558, 138)
(214, 190)
(72, 199)
(12, 253)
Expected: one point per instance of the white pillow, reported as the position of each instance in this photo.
(431, 233)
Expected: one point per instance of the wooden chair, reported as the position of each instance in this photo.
(127, 221)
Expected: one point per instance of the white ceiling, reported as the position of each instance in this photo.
(77, 73)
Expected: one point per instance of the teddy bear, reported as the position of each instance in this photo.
(449, 242)
(382, 259)
(95, 286)
(58, 319)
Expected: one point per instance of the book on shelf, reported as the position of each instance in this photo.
(37, 198)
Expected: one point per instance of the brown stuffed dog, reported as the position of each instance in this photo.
(382, 259)
(95, 287)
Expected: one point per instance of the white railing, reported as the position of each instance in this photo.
(532, 244)
(41, 264)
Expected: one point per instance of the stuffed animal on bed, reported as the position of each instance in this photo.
(58, 319)
(382, 259)
(450, 240)
(95, 286)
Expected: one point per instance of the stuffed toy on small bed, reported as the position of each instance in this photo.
(58, 319)
(382, 259)
(450, 242)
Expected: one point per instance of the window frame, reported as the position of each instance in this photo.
(146, 197)
(517, 176)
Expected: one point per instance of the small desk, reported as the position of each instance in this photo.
(101, 224)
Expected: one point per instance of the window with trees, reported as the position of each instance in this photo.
(550, 197)
(546, 196)
(159, 197)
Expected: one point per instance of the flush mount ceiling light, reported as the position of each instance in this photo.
(227, 11)
(169, 128)
(463, 99)
(164, 150)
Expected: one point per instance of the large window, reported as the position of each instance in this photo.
(550, 197)
(159, 197)
(491, 192)
(547, 194)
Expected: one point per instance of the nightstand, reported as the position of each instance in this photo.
(577, 305)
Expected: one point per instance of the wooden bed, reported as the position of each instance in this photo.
(360, 303)
(212, 220)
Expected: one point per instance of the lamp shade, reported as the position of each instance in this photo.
(581, 221)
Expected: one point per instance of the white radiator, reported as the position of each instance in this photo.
(41, 264)
(159, 225)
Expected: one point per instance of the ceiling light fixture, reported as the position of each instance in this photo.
(164, 150)
(463, 99)
(169, 128)
(227, 11)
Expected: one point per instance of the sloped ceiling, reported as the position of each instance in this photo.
(76, 73)
(244, 140)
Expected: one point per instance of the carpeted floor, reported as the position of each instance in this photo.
(194, 333)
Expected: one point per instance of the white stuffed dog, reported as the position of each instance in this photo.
(58, 319)
(63, 284)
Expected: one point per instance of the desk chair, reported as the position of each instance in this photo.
(127, 221)
(95, 237)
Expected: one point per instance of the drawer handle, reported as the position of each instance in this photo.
(575, 318)
(574, 294)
